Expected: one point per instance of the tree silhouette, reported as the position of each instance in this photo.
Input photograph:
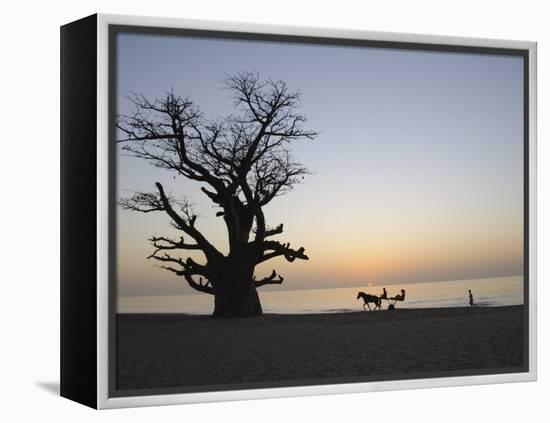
(243, 162)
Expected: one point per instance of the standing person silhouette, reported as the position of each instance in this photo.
(384, 294)
(471, 298)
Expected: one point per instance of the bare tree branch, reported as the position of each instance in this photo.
(205, 287)
(188, 269)
(163, 131)
(162, 243)
(274, 231)
(144, 202)
(278, 249)
(270, 280)
(186, 224)
(184, 221)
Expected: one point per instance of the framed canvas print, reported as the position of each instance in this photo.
(254, 211)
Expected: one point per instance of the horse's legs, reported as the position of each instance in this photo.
(368, 305)
(364, 307)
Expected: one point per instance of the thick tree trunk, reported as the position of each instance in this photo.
(242, 301)
(235, 292)
(234, 289)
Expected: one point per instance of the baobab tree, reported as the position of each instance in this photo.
(243, 163)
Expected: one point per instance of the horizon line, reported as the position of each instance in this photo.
(334, 287)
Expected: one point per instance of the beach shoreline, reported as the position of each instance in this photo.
(178, 350)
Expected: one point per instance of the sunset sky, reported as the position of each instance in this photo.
(417, 174)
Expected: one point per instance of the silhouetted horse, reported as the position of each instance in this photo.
(367, 298)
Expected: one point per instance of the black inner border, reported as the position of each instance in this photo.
(114, 30)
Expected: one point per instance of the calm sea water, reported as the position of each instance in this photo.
(487, 292)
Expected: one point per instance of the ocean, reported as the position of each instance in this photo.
(488, 292)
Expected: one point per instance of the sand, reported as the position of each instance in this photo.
(163, 351)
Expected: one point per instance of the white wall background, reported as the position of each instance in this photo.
(29, 209)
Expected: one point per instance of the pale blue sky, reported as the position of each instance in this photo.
(417, 171)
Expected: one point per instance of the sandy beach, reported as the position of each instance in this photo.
(163, 351)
